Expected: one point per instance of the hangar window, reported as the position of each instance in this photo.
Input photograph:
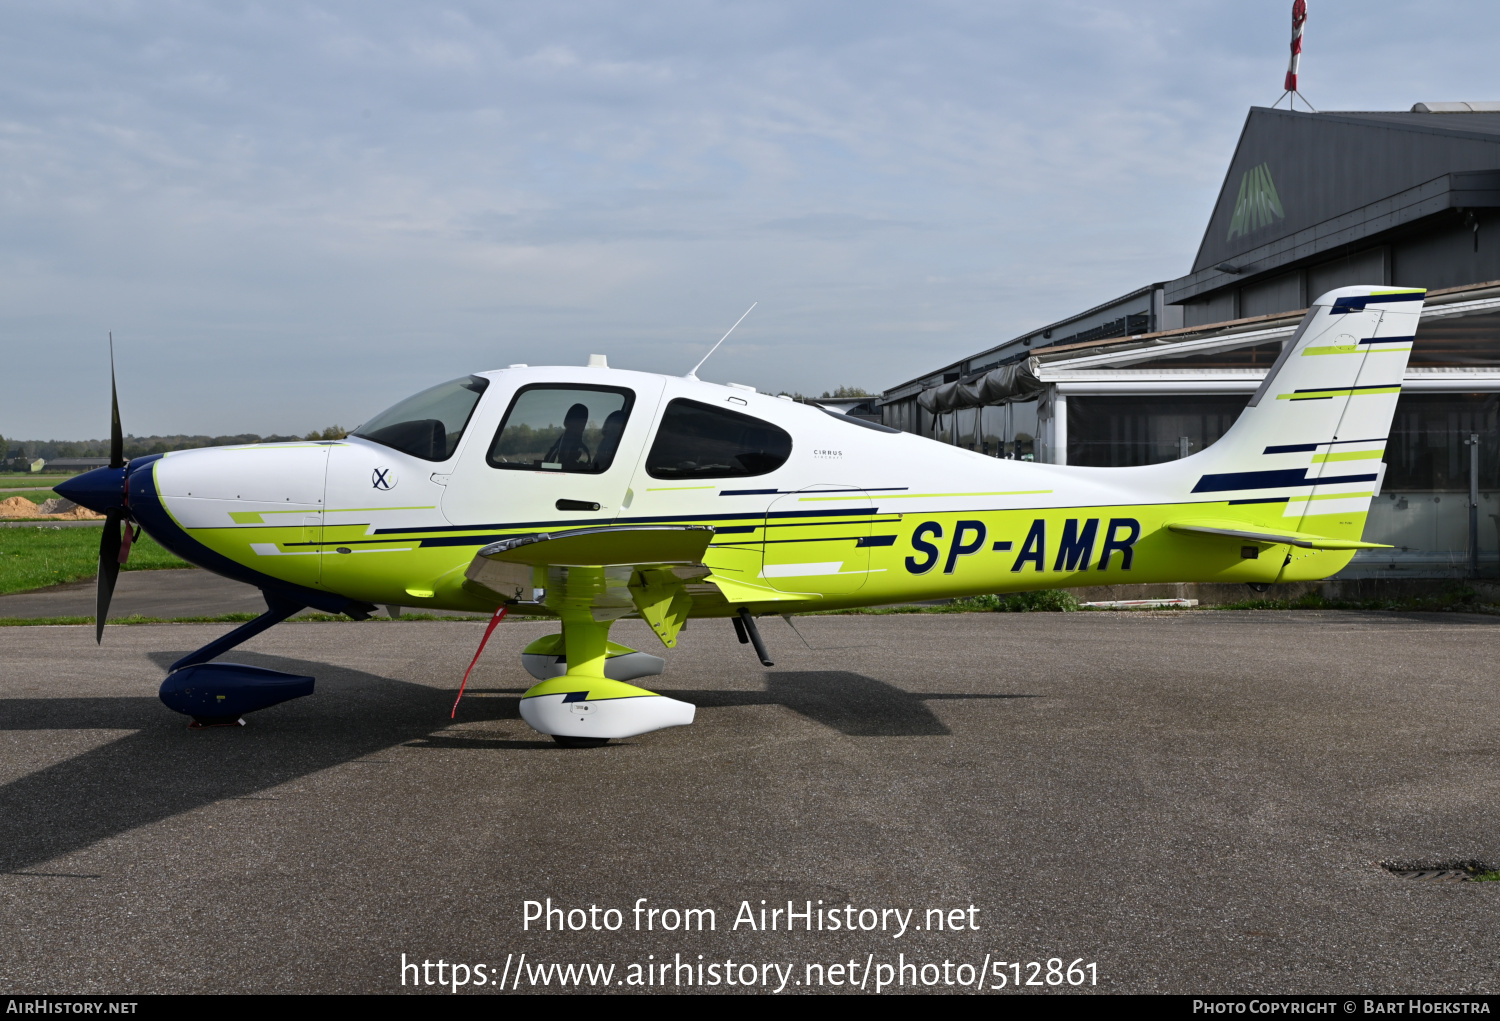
(1428, 448)
(700, 441)
(1114, 432)
(563, 427)
(429, 424)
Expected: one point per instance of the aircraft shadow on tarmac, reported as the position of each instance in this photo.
(163, 769)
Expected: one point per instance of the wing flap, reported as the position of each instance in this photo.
(735, 591)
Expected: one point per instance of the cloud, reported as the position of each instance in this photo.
(294, 215)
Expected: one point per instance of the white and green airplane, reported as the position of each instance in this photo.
(591, 493)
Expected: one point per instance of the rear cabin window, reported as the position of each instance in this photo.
(562, 427)
(429, 424)
(700, 441)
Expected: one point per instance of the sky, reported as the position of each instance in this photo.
(293, 215)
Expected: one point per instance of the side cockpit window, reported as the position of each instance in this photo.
(429, 424)
(700, 441)
(562, 427)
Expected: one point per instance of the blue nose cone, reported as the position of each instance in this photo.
(100, 490)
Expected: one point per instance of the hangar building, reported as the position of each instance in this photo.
(1311, 201)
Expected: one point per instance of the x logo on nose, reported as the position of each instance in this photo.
(379, 479)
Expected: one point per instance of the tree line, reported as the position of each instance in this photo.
(139, 446)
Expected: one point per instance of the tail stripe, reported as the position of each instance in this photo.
(1298, 448)
(1343, 391)
(1357, 302)
(1233, 481)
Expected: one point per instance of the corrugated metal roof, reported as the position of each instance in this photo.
(1297, 170)
(1236, 332)
(985, 357)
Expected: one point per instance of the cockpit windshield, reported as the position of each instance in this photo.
(429, 424)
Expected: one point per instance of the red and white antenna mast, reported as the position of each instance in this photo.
(1299, 18)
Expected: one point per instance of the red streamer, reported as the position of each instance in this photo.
(497, 618)
(130, 536)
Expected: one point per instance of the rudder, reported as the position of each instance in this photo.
(1314, 434)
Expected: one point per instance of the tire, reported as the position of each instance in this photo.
(580, 742)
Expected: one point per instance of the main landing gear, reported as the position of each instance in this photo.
(591, 701)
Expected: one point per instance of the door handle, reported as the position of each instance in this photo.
(576, 505)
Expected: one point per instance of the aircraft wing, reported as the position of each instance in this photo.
(1259, 533)
(610, 571)
(605, 546)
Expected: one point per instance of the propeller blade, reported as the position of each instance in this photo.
(109, 570)
(116, 436)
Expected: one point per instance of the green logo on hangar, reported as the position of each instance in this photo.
(1258, 204)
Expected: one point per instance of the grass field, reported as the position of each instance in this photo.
(240, 618)
(23, 480)
(34, 495)
(33, 558)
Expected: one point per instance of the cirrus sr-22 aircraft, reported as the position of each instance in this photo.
(591, 493)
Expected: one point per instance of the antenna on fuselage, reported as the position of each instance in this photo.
(693, 373)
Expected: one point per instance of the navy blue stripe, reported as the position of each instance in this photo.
(876, 540)
(1388, 340)
(586, 522)
(1261, 499)
(1344, 389)
(1357, 303)
(824, 524)
(1271, 480)
(1289, 449)
(463, 540)
(858, 540)
(788, 492)
(563, 523)
(1251, 480)
(485, 540)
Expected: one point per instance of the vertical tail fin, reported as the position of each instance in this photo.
(1313, 436)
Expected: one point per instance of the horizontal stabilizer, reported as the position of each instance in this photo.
(1259, 533)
